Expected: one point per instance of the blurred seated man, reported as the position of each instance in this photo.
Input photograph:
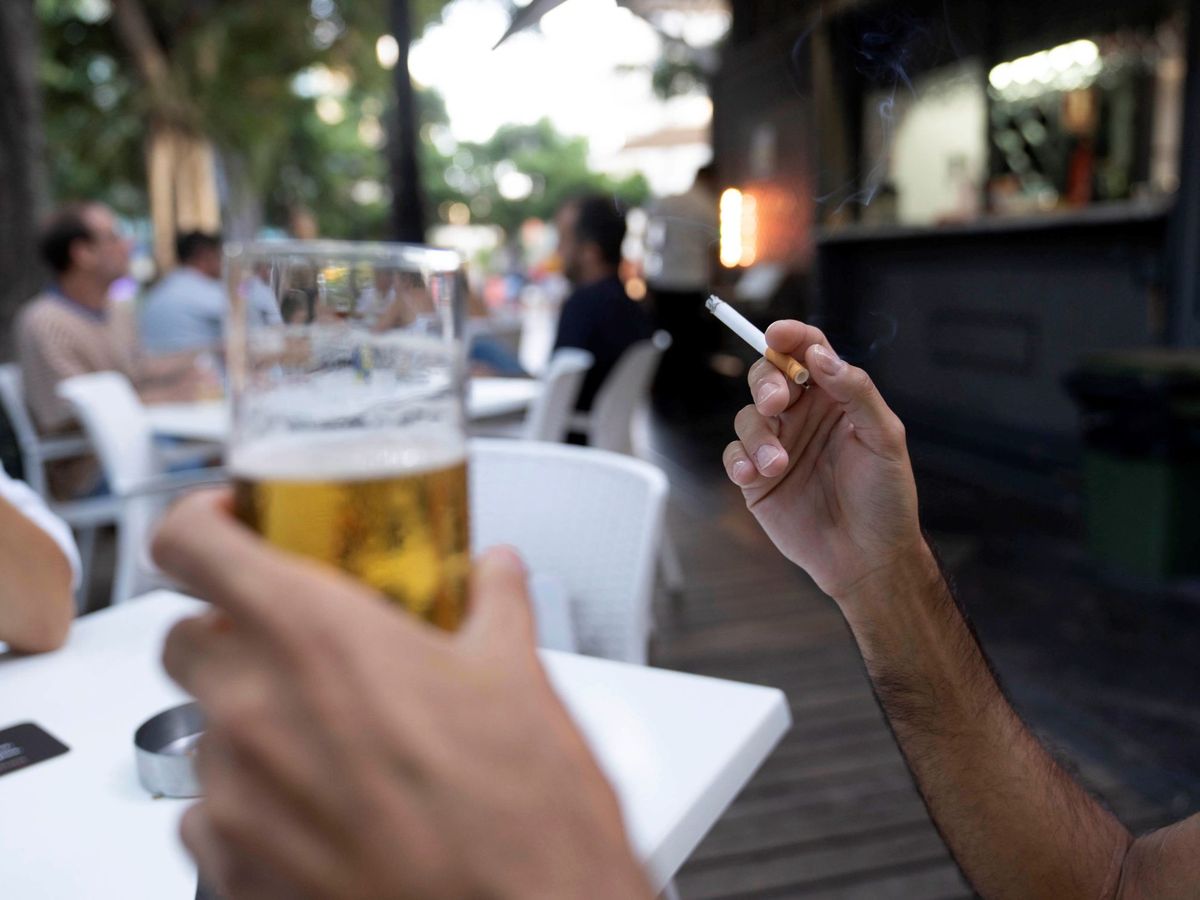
(71, 328)
(39, 570)
(459, 774)
(598, 315)
(187, 309)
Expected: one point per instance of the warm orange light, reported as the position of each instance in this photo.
(739, 228)
(730, 211)
(749, 230)
(636, 289)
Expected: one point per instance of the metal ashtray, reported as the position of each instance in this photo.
(166, 748)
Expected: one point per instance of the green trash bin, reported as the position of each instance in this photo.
(1141, 464)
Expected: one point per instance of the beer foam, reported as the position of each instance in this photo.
(347, 455)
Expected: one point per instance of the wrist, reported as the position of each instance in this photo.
(909, 576)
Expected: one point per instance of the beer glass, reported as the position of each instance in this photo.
(346, 368)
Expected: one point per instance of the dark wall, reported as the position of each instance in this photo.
(987, 319)
(979, 325)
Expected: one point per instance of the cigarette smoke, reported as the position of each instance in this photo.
(884, 53)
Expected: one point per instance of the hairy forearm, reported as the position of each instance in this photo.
(167, 376)
(1016, 822)
(36, 606)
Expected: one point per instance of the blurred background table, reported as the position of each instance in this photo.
(208, 420)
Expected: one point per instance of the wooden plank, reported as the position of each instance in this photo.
(796, 867)
(742, 838)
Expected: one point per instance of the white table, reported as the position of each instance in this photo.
(208, 420)
(677, 747)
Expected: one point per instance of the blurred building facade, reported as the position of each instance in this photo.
(971, 198)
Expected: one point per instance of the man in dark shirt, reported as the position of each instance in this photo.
(598, 317)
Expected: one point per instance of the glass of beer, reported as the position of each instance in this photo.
(346, 366)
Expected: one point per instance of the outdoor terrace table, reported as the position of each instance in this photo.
(677, 747)
(209, 421)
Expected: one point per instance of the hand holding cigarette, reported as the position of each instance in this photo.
(825, 471)
(740, 325)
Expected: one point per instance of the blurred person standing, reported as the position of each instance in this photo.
(681, 240)
(598, 315)
(72, 328)
(39, 570)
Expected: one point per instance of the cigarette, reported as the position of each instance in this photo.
(740, 325)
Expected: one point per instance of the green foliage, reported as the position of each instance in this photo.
(93, 118)
(556, 165)
(236, 63)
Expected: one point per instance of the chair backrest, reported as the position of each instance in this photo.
(550, 415)
(588, 517)
(115, 421)
(113, 417)
(12, 398)
(610, 422)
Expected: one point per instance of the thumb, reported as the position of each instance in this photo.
(500, 612)
(853, 390)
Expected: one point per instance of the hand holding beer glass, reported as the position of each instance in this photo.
(349, 439)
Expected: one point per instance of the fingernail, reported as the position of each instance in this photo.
(828, 361)
(767, 391)
(765, 456)
(741, 469)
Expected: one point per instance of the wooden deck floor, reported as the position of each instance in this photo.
(833, 813)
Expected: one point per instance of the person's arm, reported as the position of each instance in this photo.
(827, 474)
(1019, 825)
(178, 377)
(161, 369)
(36, 603)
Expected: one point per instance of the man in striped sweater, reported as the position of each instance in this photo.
(72, 329)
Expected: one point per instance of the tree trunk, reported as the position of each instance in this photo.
(22, 180)
(408, 213)
(181, 175)
(180, 161)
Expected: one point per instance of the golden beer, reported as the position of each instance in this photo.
(392, 514)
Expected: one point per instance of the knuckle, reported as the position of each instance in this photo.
(191, 826)
(239, 710)
(164, 541)
(860, 382)
(745, 418)
(175, 650)
(759, 370)
(226, 813)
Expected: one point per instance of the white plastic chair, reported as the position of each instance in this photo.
(610, 423)
(83, 516)
(35, 450)
(549, 416)
(588, 517)
(113, 417)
